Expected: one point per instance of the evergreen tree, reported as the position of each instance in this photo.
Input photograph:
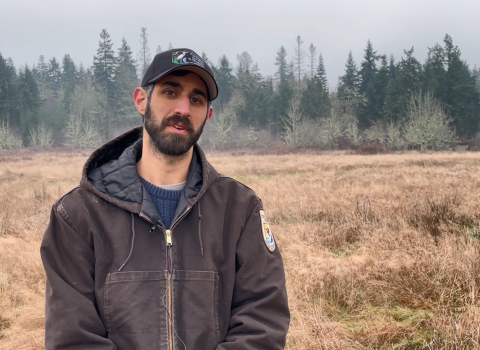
(284, 91)
(125, 83)
(408, 81)
(159, 49)
(312, 59)
(81, 72)
(460, 95)
(322, 74)
(125, 56)
(268, 107)
(368, 67)
(291, 73)
(434, 71)
(225, 81)
(144, 57)
(54, 78)
(207, 61)
(391, 68)
(350, 80)
(476, 76)
(249, 83)
(281, 62)
(299, 59)
(8, 91)
(51, 80)
(315, 101)
(41, 76)
(28, 98)
(369, 112)
(377, 91)
(69, 80)
(104, 65)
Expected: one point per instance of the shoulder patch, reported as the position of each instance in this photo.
(267, 233)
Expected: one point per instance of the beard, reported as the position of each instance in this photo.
(168, 143)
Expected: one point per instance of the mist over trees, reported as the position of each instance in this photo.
(396, 102)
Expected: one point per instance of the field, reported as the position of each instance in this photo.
(380, 252)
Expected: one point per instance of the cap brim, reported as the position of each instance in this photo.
(202, 73)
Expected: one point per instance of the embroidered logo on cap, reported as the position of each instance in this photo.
(187, 57)
(267, 233)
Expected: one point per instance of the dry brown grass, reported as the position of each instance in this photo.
(380, 252)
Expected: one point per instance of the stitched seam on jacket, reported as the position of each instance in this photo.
(60, 209)
(254, 205)
(250, 215)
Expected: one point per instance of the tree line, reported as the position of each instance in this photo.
(380, 100)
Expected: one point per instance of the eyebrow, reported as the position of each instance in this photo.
(199, 92)
(180, 86)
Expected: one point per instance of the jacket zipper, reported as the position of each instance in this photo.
(169, 242)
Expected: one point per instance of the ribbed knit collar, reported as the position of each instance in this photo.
(161, 193)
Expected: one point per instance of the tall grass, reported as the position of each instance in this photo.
(380, 252)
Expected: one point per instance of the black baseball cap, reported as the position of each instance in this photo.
(181, 59)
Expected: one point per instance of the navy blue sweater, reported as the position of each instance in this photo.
(165, 201)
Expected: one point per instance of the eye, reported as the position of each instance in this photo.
(196, 101)
(169, 93)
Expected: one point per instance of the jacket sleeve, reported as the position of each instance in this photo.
(259, 316)
(71, 317)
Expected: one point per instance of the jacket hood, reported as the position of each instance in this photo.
(111, 173)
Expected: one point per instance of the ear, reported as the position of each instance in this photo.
(210, 114)
(140, 100)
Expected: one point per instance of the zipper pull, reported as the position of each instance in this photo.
(169, 237)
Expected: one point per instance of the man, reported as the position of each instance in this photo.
(155, 249)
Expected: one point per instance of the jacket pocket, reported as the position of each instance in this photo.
(195, 309)
(135, 312)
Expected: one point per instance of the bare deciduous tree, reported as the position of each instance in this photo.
(245, 61)
(144, 56)
(353, 132)
(331, 129)
(292, 124)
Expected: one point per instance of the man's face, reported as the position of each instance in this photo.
(177, 112)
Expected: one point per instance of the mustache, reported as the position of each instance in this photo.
(177, 119)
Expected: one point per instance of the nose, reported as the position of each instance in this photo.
(182, 106)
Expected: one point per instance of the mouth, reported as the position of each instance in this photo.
(178, 128)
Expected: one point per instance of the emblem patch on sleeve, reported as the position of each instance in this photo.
(267, 233)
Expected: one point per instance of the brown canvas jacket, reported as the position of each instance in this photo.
(118, 280)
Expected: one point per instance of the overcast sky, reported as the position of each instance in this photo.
(53, 27)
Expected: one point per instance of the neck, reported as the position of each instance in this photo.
(160, 169)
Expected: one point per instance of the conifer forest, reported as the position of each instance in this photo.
(382, 101)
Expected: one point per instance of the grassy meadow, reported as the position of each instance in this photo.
(380, 252)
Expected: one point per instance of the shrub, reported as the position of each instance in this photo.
(331, 129)
(8, 138)
(427, 125)
(353, 133)
(80, 134)
(41, 136)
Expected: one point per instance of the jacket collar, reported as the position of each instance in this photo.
(111, 173)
